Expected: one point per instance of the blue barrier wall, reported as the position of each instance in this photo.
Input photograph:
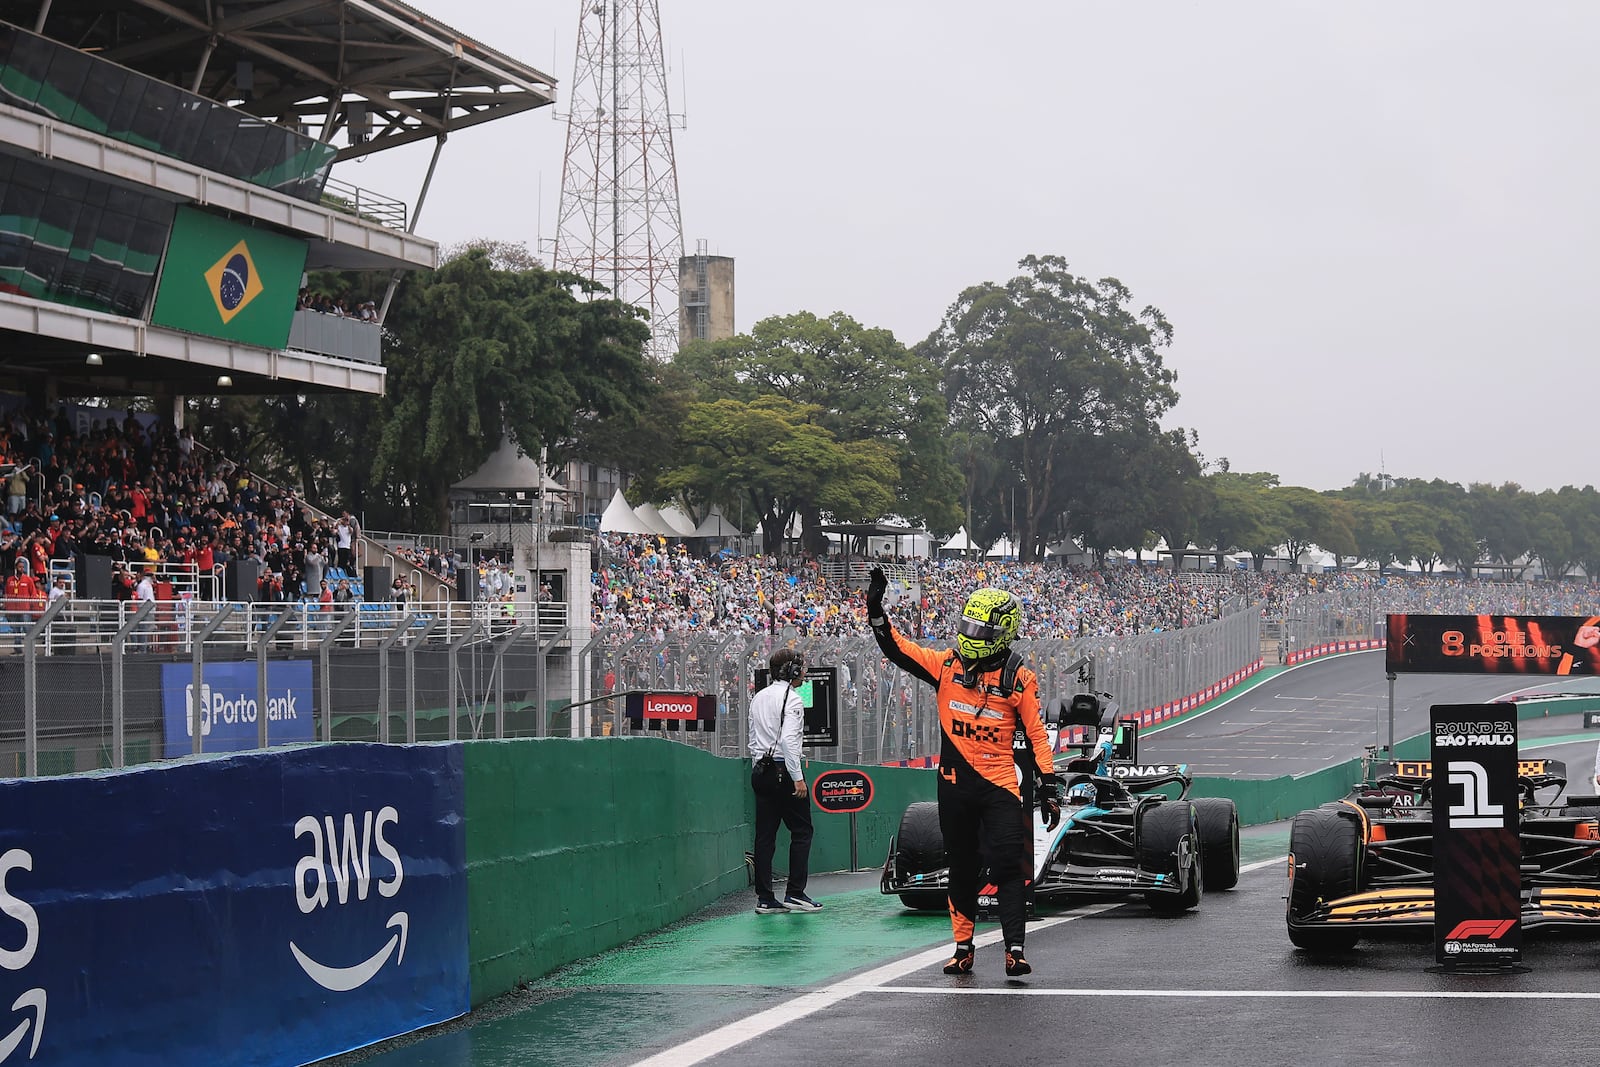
(268, 908)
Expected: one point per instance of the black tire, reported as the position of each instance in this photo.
(919, 846)
(1325, 858)
(1219, 841)
(925, 900)
(1169, 836)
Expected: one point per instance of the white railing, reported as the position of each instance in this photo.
(174, 625)
(183, 578)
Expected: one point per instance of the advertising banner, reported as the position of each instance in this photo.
(1493, 644)
(228, 711)
(1477, 850)
(224, 279)
(691, 711)
(842, 791)
(268, 908)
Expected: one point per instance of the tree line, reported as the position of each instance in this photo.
(1033, 410)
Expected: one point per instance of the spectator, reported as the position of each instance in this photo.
(24, 600)
(344, 532)
(17, 490)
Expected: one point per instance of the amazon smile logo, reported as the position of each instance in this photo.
(340, 857)
(15, 959)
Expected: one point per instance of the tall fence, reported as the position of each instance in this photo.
(884, 714)
(92, 684)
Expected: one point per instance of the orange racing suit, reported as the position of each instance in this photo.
(979, 798)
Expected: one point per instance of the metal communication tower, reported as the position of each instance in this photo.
(618, 220)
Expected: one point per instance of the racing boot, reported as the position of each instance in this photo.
(960, 961)
(1016, 963)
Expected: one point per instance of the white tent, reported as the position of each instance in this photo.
(1002, 549)
(619, 518)
(648, 515)
(508, 469)
(715, 525)
(676, 519)
(959, 543)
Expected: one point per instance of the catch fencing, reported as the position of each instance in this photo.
(884, 714)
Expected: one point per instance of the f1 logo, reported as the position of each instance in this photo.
(1493, 929)
(1474, 812)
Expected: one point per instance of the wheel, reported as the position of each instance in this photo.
(919, 846)
(1169, 841)
(1324, 864)
(925, 900)
(1219, 841)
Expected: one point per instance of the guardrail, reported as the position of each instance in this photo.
(174, 626)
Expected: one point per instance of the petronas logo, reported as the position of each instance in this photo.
(233, 282)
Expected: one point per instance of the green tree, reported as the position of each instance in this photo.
(1243, 515)
(775, 454)
(1305, 515)
(476, 354)
(1501, 516)
(860, 385)
(1042, 362)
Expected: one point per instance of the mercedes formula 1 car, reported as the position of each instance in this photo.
(1126, 829)
(1364, 865)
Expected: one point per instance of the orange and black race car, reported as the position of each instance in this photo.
(1363, 866)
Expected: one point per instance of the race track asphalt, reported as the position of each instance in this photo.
(860, 983)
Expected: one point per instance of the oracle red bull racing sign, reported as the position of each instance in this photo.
(842, 792)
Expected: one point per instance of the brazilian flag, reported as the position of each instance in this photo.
(224, 279)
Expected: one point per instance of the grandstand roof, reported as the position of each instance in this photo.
(324, 65)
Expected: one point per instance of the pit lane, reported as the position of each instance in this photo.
(1112, 984)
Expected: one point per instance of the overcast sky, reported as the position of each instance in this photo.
(1373, 225)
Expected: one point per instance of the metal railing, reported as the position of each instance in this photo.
(86, 684)
(364, 203)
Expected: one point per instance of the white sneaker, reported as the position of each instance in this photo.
(801, 902)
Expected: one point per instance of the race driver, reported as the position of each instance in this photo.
(985, 695)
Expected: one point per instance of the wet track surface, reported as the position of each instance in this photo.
(1113, 983)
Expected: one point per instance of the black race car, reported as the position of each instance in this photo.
(1126, 829)
(1363, 866)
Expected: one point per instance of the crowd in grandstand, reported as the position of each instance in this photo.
(645, 585)
(149, 497)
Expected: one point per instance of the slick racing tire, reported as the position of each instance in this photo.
(1324, 864)
(1219, 841)
(1169, 839)
(919, 846)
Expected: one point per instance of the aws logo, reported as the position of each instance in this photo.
(341, 858)
(15, 959)
(233, 281)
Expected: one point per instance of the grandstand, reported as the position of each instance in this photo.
(169, 177)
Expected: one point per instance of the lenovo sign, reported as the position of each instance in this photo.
(671, 711)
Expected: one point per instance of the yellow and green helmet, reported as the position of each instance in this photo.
(988, 623)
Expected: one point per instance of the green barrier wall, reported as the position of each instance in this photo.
(577, 846)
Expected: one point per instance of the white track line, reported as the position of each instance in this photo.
(1249, 994)
(738, 1032)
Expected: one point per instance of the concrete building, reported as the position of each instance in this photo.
(705, 297)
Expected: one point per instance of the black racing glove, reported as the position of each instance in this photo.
(877, 585)
(1048, 793)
